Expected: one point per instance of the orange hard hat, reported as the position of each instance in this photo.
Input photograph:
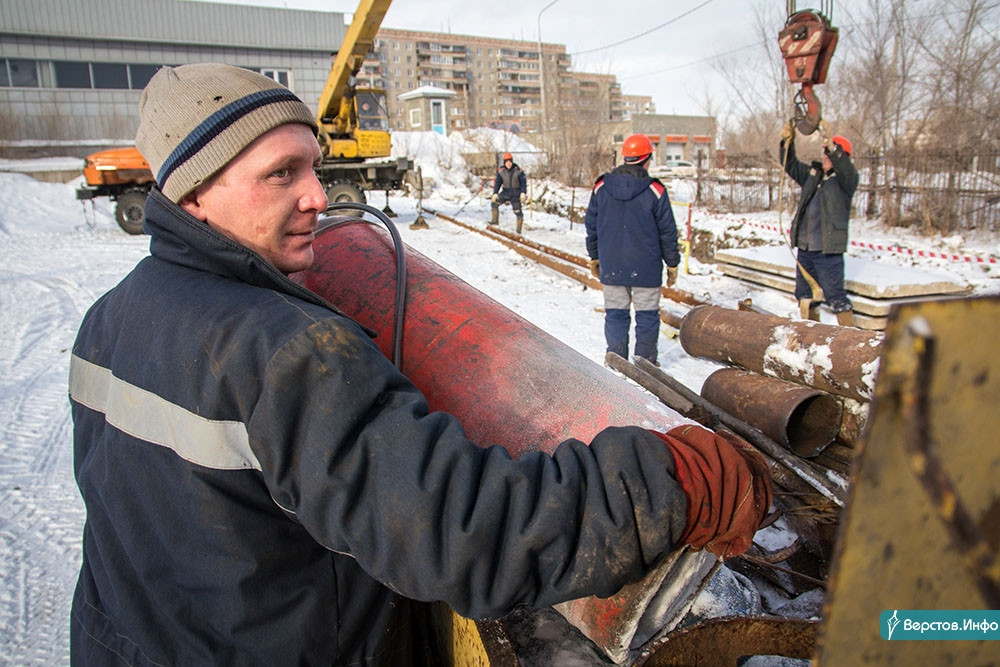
(844, 144)
(637, 148)
(508, 156)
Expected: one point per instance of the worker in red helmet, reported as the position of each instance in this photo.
(510, 185)
(631, 234)
(819, 228)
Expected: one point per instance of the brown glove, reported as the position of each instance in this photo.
(671, 275)
(788, 131)
(727, 485)
(595, 268)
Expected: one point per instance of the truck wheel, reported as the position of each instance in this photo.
(345, 191)
(129, 211)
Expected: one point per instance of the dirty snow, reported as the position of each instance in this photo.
(58, 255)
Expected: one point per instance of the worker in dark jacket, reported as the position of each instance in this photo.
(819, 228)
(631, 234)
(264, 487)
(510, 185)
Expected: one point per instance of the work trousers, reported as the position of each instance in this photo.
(515, 202)
(617, 319)
(827, 270)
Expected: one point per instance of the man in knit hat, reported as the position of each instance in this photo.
(263, 486)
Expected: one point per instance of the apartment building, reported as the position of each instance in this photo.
(498, 82)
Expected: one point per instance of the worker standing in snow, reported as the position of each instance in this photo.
(819, 228)
(631, 233)
(264, 487)
(510, 185)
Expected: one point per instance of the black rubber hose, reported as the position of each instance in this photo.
(400, 307)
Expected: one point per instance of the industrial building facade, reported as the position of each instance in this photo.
(71, 74)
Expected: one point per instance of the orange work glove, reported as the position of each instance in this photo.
(728, 488)
(671, 275)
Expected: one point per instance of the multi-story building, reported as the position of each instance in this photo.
(71, 74)
(498, 82)
(635, 105)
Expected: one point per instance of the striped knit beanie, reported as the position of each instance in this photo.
(194, 119)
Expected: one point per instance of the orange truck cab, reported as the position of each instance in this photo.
(123, 175)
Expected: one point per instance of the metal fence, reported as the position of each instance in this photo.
(933, 191)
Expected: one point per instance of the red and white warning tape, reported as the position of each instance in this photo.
(897, 249)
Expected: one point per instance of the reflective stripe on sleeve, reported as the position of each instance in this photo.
(224, 445)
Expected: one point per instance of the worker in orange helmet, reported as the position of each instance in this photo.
(819, 228)
(510, 185)
(631, 234)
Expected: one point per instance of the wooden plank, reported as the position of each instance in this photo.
(863, 277)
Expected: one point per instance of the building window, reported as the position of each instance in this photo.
(110, 75)
(415, 118)
(139, 75)
(282, 76)
(71, 75)
(22, 73)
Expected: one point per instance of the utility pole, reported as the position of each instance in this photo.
(541, 71)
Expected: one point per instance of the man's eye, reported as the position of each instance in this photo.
(282, 173)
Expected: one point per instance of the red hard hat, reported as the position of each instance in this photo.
(508, 156)
(637, 148)
(844, 144)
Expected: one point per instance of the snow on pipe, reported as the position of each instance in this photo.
(511, 384)
(838, 360)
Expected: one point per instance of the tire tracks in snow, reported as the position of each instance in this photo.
(47, 281)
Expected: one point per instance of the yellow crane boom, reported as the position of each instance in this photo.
(353, 122)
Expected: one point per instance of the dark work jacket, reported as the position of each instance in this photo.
(631, 228)
(510, 182)
(835, 192)
(263, 487)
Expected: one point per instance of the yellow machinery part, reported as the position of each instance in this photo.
(929, 460)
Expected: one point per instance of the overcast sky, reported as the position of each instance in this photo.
(673, 61)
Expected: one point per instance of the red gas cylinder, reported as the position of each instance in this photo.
(507, 381)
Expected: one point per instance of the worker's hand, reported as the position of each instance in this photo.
(788, 131)
(727, 485)
(495, 198)
(671, 275)
(595, 268)
(524, 199)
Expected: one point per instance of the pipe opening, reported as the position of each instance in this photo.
(813, 424)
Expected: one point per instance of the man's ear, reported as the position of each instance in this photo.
(191, 203)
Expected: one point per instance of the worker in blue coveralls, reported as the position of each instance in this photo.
(510, 185)
(631, 233)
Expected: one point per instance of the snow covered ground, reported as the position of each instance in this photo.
(57, 257)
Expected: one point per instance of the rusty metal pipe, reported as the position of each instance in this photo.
(646, 374)
(837, 360)
(802, 419)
